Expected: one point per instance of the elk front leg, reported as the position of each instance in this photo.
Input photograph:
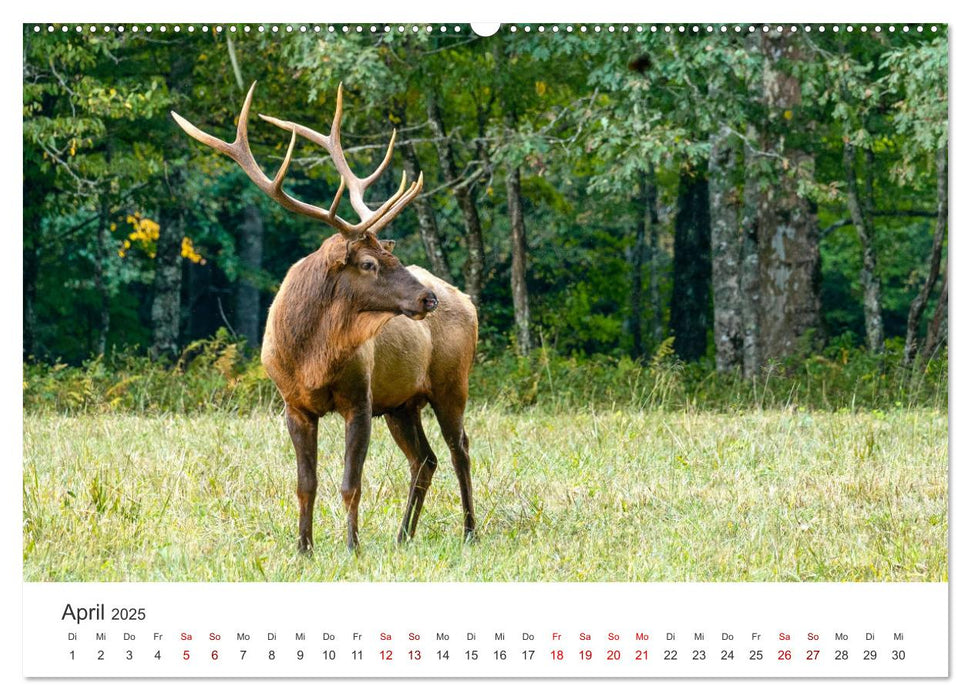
(357, 435)
(303, 434)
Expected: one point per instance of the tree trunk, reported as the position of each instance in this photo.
(167, 300)
(750, 289)
(919, 303)
(247, 291)
(863, 221)
(726, 252)
(475, 266)
(427, 224)
(166, 305)
(654, 258)
(691, 298)
(937, 328)
(637, 270)
(520, 295)
(787, 228)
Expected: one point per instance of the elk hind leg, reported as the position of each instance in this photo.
(451, 418)
(405, 426)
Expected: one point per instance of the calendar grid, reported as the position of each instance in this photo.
(485, 630)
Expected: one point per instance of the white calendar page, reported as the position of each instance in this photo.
(514, 630)
(358, 623)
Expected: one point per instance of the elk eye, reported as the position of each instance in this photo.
(368, 265)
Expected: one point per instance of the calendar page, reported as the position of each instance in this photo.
(566, 350)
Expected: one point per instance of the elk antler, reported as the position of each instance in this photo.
(240, 152)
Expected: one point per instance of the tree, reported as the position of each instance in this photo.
(788, 244)
(463, 188)
(916, 74)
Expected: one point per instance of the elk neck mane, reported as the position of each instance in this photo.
(315, 327)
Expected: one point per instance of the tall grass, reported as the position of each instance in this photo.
(571, 496)
(217, 374)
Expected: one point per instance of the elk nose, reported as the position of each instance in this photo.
(428, 301)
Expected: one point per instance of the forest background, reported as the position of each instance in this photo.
(759, 215)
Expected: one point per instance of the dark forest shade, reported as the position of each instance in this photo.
(166, 315)
(247, 293)
(691, 295)
(637, 271)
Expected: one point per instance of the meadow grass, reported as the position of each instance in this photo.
(560, 496)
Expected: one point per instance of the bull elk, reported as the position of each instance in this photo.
(352, 330)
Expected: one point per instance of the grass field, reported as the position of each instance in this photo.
(612, 496)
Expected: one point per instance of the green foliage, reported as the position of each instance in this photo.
(915, 78)
(212, 374)
(217, 374)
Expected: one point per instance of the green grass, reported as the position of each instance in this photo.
(569, 496)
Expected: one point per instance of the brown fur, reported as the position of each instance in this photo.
(336, 341)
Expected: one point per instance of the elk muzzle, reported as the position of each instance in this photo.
(429, 301)
(424, 305)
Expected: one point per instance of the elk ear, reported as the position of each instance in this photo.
(388, 245)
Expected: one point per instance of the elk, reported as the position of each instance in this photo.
(354, 331)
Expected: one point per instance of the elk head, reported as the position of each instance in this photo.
(371, 279)
(368, 276)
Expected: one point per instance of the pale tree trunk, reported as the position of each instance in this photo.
(863, 221)
(726, 252)
(637, 270)
(167, 300)
(919, 303)
(166, 305)
(654, 256)
(520, 295)
(475, 266)
(691, 296)
(247, 290)
(787, 228)
(750, 278)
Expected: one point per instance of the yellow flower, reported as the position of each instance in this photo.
(190, 253)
